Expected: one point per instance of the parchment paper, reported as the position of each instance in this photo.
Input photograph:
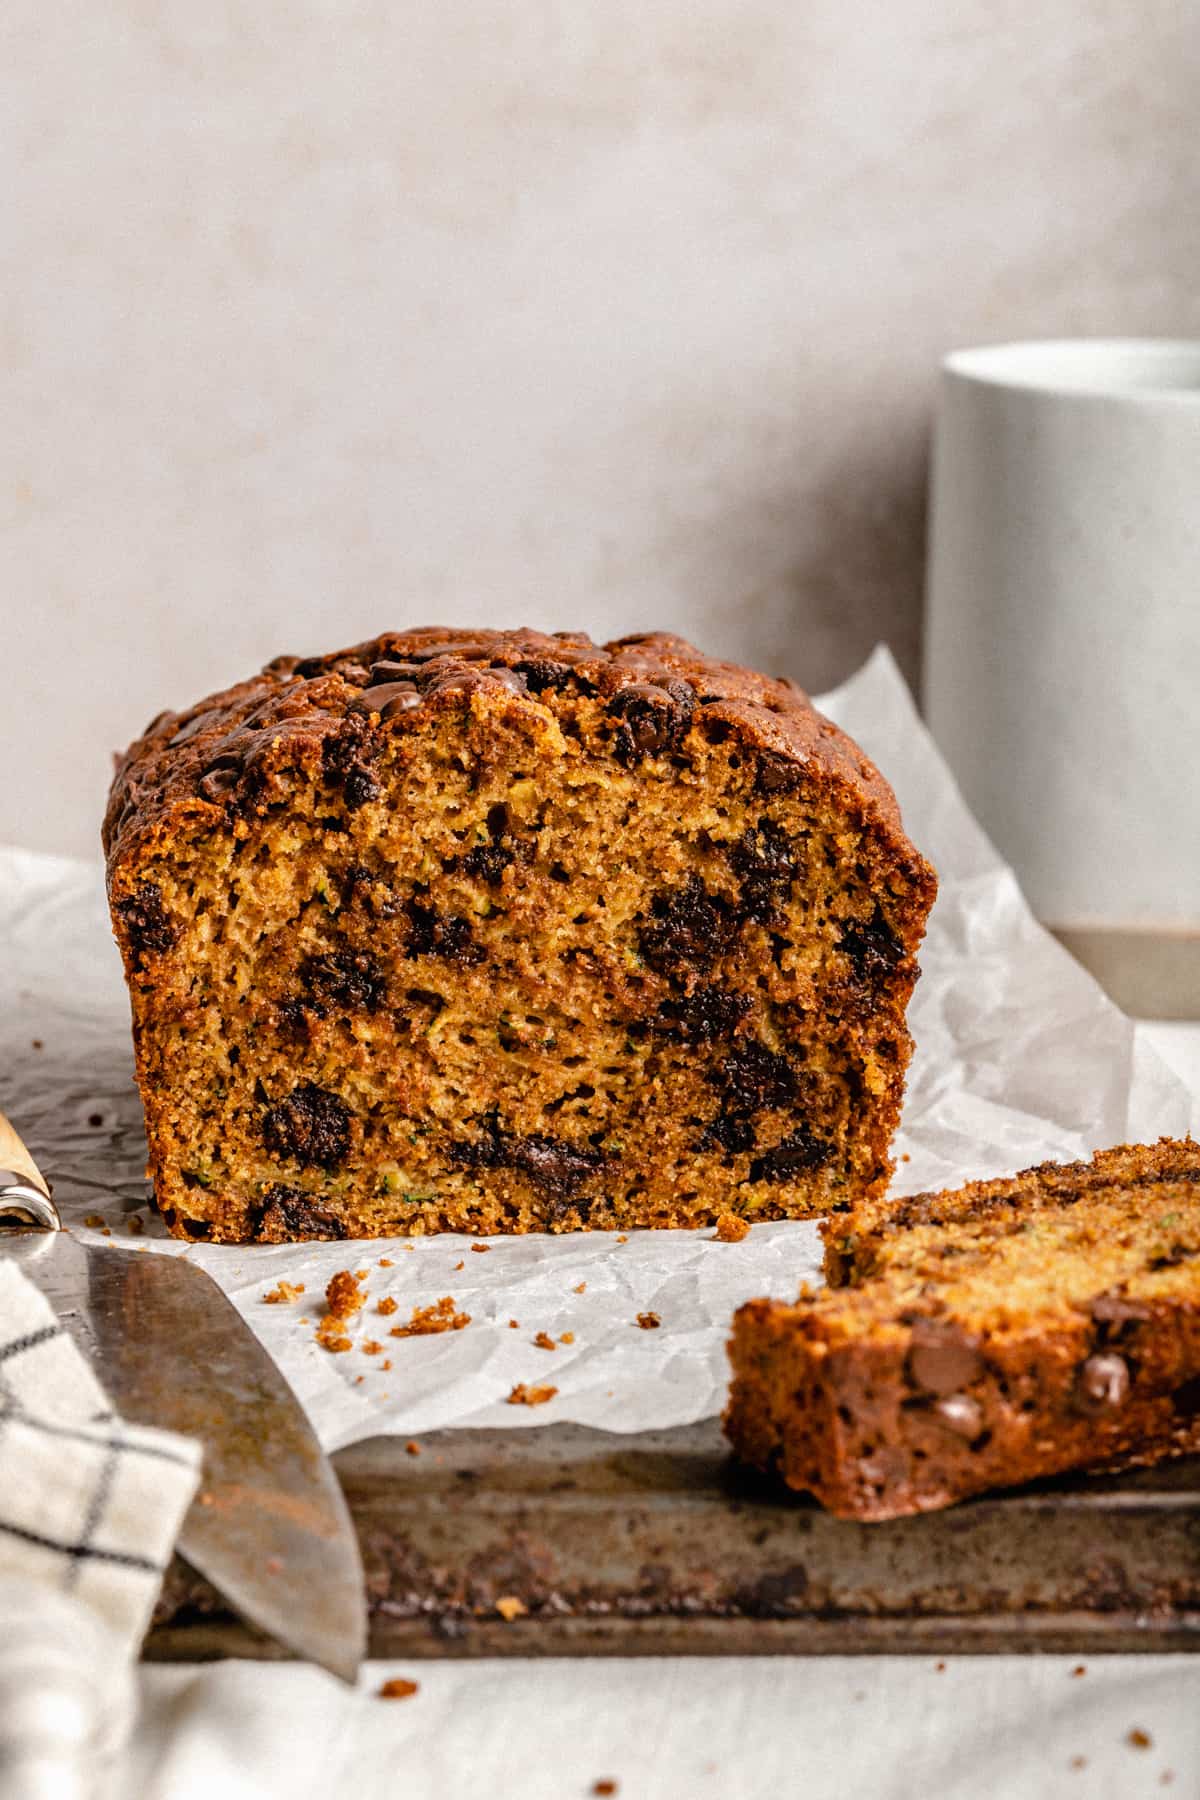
(1020, 1057)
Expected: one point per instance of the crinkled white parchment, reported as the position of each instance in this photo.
(1020, 1057)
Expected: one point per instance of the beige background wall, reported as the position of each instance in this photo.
(323, 315)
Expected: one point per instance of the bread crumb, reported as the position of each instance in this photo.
(410, 1246)
(939, 1668)
(530, 1396)
(544, 1341)
(398, 1688)
(649, 1321)
(331, 1336)
(387, 1306)
(514, 1324)
(282, 1292)
(371, 1347)
(1079, 1762)
(1139, 1739)
(568, 1337)
(511, 1608)
(385, 1262)
(581, 1289)
(623, 1239)
(133, 1225)
(1079, 1669)
(342, 1295)
(481, 1249)
(94, 1220)
(457, 1267)
(386, 1365)
(604, 1786)
(427, 1321)
(412, 1447)
(731, 1229)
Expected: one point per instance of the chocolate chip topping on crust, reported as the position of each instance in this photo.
(313, 696)
(654, 717)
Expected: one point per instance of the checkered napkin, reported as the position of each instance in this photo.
(89, 1505)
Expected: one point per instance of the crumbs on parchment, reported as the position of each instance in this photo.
(481, 1249)
(282, 1292)
(543, 1341)
(648, 1321)
(398, 1688)
(343, 1298)
(343, 1295)
(530, 1396)
(426, 1321)
(331, 1335)
(731, 1228)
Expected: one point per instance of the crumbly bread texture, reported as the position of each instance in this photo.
(980, 1338)
(495, 931)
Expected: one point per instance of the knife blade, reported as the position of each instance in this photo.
(269, 1527)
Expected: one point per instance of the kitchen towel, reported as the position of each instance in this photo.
(89, 1505)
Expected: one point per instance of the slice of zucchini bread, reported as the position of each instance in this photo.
(980, 1338)
(496, 931)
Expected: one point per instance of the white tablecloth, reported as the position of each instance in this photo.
(819, 1728)
(825, 1728)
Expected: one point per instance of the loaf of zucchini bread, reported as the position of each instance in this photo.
(979, 1338)
(496, 932)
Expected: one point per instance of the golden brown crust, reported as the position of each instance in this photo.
(282, 717)
(852, 1237)
(984, 1337)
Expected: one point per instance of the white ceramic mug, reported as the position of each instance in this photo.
(1062, 649)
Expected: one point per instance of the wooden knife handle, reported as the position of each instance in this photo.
(23, 1187)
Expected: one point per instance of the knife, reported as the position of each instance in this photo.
(269, 1526)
